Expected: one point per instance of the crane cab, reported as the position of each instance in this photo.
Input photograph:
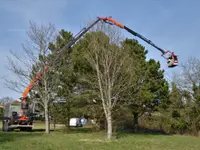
(172, 59)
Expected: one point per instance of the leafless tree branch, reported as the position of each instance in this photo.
(114, 69)
(35, 51)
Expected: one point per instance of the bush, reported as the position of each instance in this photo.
(1, 112)
(178, 126)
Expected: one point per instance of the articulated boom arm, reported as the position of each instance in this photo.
(28, 88)
(110, 21)
(67, 46)
(172, 60)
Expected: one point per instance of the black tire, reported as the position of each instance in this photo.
(22, 129)
(29, 129)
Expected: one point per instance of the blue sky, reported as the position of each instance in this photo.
(171, 24)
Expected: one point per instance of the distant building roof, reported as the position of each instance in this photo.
(15, 102)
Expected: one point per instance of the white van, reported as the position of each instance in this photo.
(75, 122)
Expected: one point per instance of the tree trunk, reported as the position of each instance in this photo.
(68, 117)
(102, 124)
(47, 129)
(109, 125)
(135, 121)
(54, 124)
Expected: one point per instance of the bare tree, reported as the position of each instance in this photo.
(188, 79)
(189, 74)
(113, 69)
(5, 100)
(26, 65)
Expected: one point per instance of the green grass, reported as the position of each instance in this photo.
(83, 139)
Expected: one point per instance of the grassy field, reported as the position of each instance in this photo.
(84, 139)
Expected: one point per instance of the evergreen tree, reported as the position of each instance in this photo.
(150, 87)
(63, 76)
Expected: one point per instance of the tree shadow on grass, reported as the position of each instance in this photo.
(141, 131)
(41, 130)
(16, 135)
(75, 130)
(151, 131)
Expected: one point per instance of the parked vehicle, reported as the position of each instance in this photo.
(75, 122)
